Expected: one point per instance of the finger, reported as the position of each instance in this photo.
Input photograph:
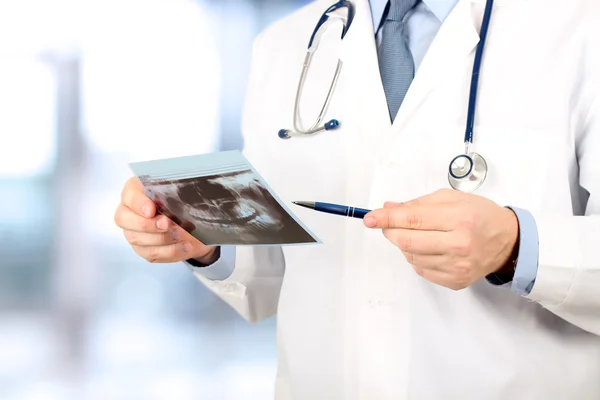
(419, 242)
(441, 278)
(439, 196)
(125, 218)
(165, 254)
(152, 239)
(432, 217)
(134, 198)
(433, 262)
(391, 204)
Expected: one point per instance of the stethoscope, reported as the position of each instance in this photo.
(467, 171)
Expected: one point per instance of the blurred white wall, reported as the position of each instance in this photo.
(87, 86)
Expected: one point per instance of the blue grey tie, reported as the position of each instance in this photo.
(395, 59)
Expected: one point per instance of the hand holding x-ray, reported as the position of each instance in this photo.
(153, 235)
(185, 207)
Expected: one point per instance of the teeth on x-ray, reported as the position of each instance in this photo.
(225, 208)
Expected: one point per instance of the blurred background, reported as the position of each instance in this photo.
(87, 86)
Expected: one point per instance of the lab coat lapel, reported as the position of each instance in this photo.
(455, 41)
(364, 95)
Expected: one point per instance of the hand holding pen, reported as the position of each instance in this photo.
(337, 209)
(449, 237)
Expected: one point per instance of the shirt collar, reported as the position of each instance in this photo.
(440, 8)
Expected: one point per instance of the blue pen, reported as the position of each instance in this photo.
(346, 211)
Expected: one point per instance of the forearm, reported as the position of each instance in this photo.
(251, 279)
(568, 275)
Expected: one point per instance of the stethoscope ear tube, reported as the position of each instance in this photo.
(325, 20)
(288, 134)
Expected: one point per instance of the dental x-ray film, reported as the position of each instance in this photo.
(220, 199)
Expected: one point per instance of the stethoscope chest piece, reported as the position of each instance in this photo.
(467, 172)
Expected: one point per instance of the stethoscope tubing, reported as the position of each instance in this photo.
(313, 44)
(476, 69)
(478, 171)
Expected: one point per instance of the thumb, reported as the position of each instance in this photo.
(198, 249)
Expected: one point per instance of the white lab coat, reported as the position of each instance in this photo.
(354, 320)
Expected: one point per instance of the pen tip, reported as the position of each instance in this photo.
(307, 204)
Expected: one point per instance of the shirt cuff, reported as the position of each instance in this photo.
(527, 262)
(220, 269)
(526, 266)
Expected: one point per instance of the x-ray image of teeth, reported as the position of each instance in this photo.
(223, 208)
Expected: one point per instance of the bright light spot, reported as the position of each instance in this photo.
(151, 78)
(31, 27)
(27, 117)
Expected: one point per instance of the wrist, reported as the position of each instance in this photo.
(509, 262)
(207, 259)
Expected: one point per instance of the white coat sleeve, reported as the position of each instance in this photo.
(568, 278)
(253, 287)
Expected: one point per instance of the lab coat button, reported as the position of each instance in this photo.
(230, 288)
(375, 302)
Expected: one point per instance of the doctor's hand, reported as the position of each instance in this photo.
(153, 236)
(451, 238)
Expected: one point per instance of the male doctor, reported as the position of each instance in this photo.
(436, 294)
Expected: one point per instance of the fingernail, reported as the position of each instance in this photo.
(162, 224)
(370, 222)
(146, 210)
(176, 234)
(187, 247)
